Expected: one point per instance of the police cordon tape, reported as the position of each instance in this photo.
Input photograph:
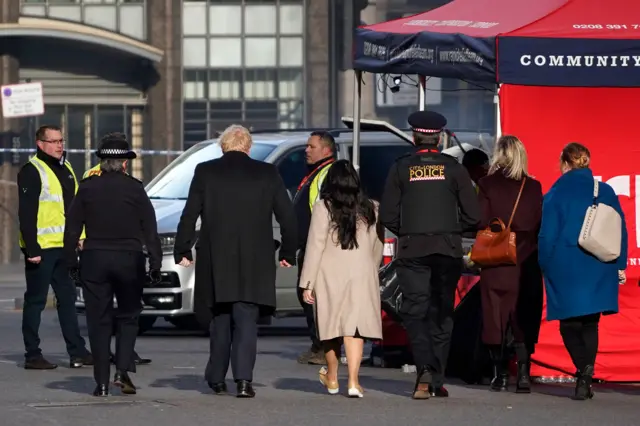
(83, 151)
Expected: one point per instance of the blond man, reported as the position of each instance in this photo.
(235, 197)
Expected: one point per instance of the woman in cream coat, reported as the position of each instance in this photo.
(340, 273)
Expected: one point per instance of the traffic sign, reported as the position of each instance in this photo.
(22, 100)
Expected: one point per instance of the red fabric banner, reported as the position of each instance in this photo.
(603, 119)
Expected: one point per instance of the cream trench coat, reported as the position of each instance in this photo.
(345, 282)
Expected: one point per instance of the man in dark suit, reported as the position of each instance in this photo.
(236, 197)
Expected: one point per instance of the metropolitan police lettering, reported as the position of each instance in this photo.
(426, 172)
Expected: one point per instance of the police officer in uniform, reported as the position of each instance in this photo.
(429, 202)
(96, 171)
(119, 220)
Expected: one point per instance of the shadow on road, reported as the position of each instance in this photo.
(191, 382)
(75, 384)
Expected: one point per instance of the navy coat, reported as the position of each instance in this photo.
(576, 282)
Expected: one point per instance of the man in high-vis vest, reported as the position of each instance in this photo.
(46, 187)
(320, 153)
(96, 171)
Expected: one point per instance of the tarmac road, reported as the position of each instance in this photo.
(172, 390)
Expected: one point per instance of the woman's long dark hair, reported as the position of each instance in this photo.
(346, 202)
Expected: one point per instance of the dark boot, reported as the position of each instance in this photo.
(245, 389)
(122, 380)
(500, 379)
(523, 382)
(583, 384)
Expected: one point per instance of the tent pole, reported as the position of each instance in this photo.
(357, 99)
(422, 97)
(496, 103)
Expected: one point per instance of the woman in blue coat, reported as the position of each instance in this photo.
(580, 288)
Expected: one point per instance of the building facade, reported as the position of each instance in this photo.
(170, 73)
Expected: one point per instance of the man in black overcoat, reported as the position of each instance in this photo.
(236, 198)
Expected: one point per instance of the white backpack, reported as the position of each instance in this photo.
(601, 233)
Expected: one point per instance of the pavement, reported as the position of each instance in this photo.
(172, 390)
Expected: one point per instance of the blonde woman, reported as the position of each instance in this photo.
(512, 295)
(580, 288)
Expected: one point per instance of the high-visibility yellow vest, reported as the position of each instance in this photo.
(51, 214)
(95, 170)
(316, 184)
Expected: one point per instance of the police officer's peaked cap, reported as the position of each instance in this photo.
(427, 122)
(115, 145)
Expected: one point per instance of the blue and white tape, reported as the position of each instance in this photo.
(83, 151)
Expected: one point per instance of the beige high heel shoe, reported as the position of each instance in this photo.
(355, 392)
(332, 387)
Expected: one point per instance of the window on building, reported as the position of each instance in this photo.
(243, 64)
(123, 16)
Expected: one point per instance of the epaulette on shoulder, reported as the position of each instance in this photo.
(405, 155)
(89, 177)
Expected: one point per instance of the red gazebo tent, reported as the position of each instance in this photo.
(565, 70)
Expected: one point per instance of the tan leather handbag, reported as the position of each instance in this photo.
(497, 248)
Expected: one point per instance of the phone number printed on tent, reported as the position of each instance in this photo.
(606, 27)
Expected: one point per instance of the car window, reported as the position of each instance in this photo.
(293, 168)
(173, 182)
(375, 162)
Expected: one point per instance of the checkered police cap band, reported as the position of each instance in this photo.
(114, 151)
(419, 130)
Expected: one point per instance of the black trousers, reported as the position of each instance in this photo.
(50, 271)
(428, 287)
(309, 315)
(105, 273)
(233, 339)
(580, 337)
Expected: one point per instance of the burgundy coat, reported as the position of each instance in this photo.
(505, 286)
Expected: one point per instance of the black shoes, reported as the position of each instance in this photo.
(438, 392)
(101, 390)
(80, 361)
(500, 380)
(523, 382)
(583, 384)
(218, 388)
(39, 363)
(122, 380)
(245, 389)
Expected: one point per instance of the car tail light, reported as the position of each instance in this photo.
(389, 250)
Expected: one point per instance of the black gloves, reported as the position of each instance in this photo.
(154, 277)
(74, 274)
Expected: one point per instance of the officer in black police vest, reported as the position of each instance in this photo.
(119, 220)
(429, 202)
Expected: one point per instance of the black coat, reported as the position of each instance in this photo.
(236, 197)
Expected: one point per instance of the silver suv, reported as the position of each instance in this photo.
(173, 298)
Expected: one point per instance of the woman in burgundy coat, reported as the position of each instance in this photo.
(512, 295)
